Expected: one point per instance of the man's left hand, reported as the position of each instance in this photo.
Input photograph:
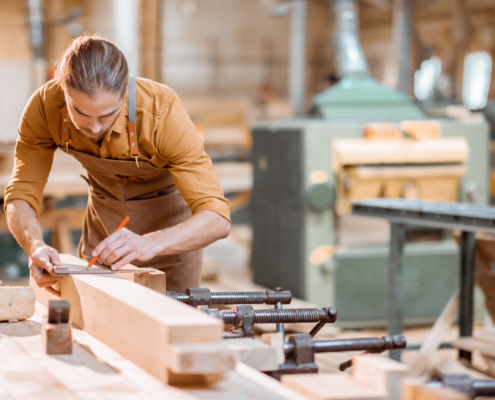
(122, 247)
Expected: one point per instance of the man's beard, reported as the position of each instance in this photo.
(85, 133)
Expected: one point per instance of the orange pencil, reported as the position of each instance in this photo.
(125, 221)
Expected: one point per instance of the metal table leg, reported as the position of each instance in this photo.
(468, 247)
(395, 278)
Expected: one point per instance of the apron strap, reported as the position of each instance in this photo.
(65, 128)
(131, 124)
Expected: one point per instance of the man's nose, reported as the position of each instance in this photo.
(95, 127)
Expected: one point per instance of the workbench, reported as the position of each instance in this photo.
(402, 214)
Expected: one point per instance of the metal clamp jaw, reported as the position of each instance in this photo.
(300, 351)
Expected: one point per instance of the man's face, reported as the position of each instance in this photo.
(93, 116)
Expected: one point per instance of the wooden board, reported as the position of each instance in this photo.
(436, 335)
(16, 303)
(363, 151)
(331, 387)
(254, 353)
(92, 371)
(380, 373)
(486, 348)
(138, 323)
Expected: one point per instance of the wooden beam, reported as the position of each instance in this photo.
(254, 353)
(139, 324)
(332, 387)
(436, 335)
(200, 358)
(380, 373)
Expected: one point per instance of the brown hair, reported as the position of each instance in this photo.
(93, 64)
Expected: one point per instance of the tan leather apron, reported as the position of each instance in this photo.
(147, 194)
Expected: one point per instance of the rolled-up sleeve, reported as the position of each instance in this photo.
(33, 156)
(191, 168)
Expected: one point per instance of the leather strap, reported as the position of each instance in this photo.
(65, 128)
(131, 124)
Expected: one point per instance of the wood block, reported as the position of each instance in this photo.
(410, 388)
(276, 342)
(138, 323)
(56, 338)
(200, 358)
(16, 303)
(254, 353)
(157, 281)
(380, 372)
(332, 387)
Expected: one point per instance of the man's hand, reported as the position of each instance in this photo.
(45, 257)
(122, 247)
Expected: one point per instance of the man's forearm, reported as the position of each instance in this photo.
(194, 233)
(23, 224)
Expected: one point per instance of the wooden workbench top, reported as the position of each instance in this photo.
(94, 370)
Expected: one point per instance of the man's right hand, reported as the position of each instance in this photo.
(44, 257)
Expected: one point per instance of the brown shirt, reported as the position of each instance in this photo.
(166, 137)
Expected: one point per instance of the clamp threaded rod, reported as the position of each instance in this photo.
(292, 315)
(233, 298)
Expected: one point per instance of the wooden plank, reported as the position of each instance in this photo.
(453, 366)
(332, 387)
(380, 373)
(436, 335)
(474, 344)
(139, 324)
(363, 151)
(268, 384)
(254, 353)
(92, 371)
(243, 385)
(200, 358)
(16, 303)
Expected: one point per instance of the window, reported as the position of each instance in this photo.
(476, 80)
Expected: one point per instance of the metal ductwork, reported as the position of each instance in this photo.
(349, 56)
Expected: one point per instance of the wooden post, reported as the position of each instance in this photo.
(151, 43)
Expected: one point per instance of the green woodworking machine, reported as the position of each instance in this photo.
(361, 140)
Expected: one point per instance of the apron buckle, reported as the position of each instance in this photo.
(136, 157)
(66, 145)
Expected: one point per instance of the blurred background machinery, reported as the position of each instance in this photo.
(360, 140)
